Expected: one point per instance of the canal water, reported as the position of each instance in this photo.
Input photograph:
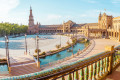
(3, 69)
(61, 55)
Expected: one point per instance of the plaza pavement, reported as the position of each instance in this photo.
(115, 74)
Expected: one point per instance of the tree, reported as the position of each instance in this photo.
(10, 29)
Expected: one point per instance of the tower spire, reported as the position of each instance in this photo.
(31, 20)
(30, 7)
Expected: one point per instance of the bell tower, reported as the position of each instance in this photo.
(31, 20)
(99, 20)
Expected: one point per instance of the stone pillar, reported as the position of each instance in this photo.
(63, 27)
(38, 64)
(106, 35)
(95, 34)
(9, 69)
(114, 34)
(110, 48)
(119, 36)
(88, 33)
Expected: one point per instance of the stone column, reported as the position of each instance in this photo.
(111, 49)
(38, 64)
(106, 35)
(9, 69)
(88, 35)
(114, 34)
(119, 36)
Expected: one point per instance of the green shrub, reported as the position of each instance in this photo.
(3, 60)
(58, 46)
(43, 53)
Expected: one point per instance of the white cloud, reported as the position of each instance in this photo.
(53, 16)
(90, 1)
(6, 6)
(95, 13)
(83, 15)
(90, 16)
(51, 19)
(115, 1)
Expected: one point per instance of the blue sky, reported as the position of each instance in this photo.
(56, 11)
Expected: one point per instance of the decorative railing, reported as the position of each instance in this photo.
(92, 68)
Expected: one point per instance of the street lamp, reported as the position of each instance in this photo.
(7, 51)
(38, 62)
(60, 40)
(26, 43)
(13, 31)
(6, 46)
(76, 32)
(72, 51)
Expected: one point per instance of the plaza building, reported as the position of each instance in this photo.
(107, 27)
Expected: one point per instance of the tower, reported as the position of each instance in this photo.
(31, 20)
(99, 20)
(100, 16)
(63, 27)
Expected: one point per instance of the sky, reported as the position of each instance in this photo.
(49, 12)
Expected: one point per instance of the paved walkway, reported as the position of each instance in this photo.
(115, 75)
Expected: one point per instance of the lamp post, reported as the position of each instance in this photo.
(6, 46)
(38, 62)
(7, 52)
(60, 40)
(7, 41)
(68, 38)
(13, 31)
(76, 32)
(72, 51)
(26, 43)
